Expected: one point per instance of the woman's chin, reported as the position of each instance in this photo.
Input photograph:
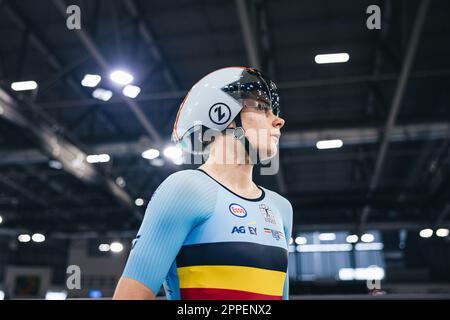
(269, 154)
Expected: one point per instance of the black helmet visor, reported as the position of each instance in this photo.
(253, 85)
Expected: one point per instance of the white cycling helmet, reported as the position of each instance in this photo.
(215, 101)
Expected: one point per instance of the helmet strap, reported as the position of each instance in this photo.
(239, 134)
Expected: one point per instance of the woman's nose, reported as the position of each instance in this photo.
(278, 122)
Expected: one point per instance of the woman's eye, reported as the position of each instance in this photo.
(260, 107)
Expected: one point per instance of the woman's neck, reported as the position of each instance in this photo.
(236, 177)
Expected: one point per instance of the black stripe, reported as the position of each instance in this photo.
(244, 254)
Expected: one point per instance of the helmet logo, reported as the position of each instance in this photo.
(219, 113)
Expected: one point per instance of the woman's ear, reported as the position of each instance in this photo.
(232, 125)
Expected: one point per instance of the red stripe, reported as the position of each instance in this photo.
(223, 294)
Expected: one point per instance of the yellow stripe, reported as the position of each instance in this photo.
(249, 279)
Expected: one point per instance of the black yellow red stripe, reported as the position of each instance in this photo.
(231, 270)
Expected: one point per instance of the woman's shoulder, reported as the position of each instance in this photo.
(190, 182)
(186, 189)
(283, 204)
(277, 198)
(186, 178)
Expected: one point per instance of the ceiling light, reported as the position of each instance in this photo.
(300, 240)
(24, 238)
(367, 237)
(150, 154)
(131, 91)
(24, 85)
(375, 246)
(327, 236)
(96, 158)
(121, 77)
(442, 232)
(91, 80)
(331, 58)
(329, 144)
(139, 202)
(116, 247)
(56, 295)
(175, 154)
(102, 94)
(335, 247)
(38, 237)
(426, 233)
(55, 164)
(104, 247)
(121, 182)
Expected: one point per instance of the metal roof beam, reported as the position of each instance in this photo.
(249, 30)
(57, 147)
(396, 102)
